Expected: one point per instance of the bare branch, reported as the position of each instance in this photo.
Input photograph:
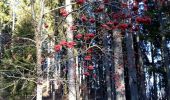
(24, 38)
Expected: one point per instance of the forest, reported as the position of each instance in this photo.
(84, 50)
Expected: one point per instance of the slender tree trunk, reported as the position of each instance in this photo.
(154, 96)
(107, 65)
(119, 69)
(39, 71)
(38, 33)
(77, 79)
(131, 67)
(71, 68)
(140, 69)
(167, 64)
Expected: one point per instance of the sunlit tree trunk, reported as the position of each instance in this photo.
(119, 69)
(38, 33)
(71, 68)
(78, 80)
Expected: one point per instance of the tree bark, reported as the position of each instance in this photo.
(71, 68)
(140, 69)
(38, 33)
(119, 69)
(131, 67)
(167, 64)
(107, 65)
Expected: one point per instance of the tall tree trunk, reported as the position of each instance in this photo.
(78, 80)
(140, 69)
(154, 94)
(39, 71)
(71, 68)
(131, 67)
(107, 65)
(119, 69)
(38, 33)
(166, 63)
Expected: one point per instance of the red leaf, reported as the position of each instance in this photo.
(144, 20)
(105, 26)
(109, 23)
(57, 48)
(63, 43)
(63, 12)
(87, 58)
(90, 35)
(139, 19)
(116, 16)
(90, 67)
(124, 5)
(79, 36)
(92, 20)
(90, 50)
(83, 18)
(71, 44)
(123, 26)
(46, 25)
(135, 8)
(115, 23)
(86, 73)
(80, 1)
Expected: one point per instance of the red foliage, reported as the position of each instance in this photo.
(79, 36)
(63, 43)
(73, 28)
(86, 73)
(80, 1)
(90, 67)
(124, 5)
(106, 1)
(144, 20)
(71, 44)
(109, 23)
(92, 20)
(90, 50)
(115, 23)
(63, 12)
(89, 35)
(57, 47)
(139, 19)
(116, 16)
(114, 27)
(86, 38)
(45, 25)
(123, 16)
(123, 26)
(105, 26)
(87, 57)
(83, 18)
(135, 8)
